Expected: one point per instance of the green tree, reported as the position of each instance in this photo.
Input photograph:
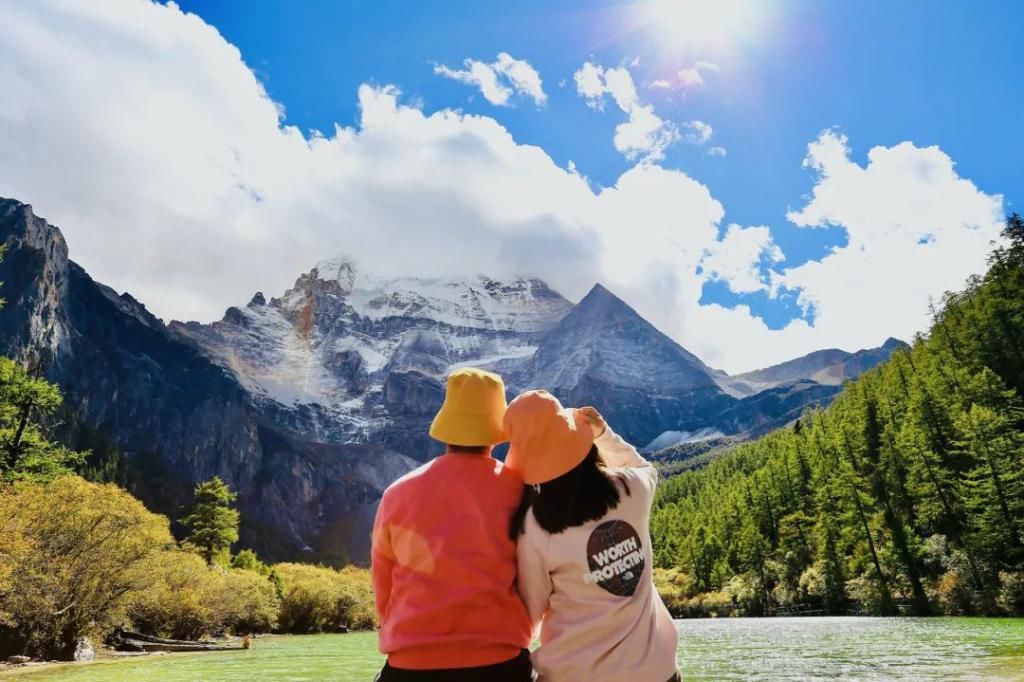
(212, 523)
(247, 560)
(25, 452)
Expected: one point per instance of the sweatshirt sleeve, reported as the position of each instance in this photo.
(617, 452)
(382, 563)
(533, 579)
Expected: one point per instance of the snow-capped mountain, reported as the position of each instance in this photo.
(346, 357)
(310, 403)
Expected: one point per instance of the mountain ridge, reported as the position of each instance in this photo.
(309, 403)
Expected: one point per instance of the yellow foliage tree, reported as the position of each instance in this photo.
(188, 598)
(320, 599)
(69, 555)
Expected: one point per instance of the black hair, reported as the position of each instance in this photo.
(467, 449)
(584, 493)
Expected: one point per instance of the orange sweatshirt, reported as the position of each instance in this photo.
(444, 568)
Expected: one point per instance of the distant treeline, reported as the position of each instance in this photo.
(906, 495)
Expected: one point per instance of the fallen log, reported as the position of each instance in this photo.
(128, 634)
(129, 644)
(136, 641)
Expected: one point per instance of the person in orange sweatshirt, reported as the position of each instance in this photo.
(585, 547)
(443, 565)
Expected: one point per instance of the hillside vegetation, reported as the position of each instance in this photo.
(82, 559)
(905, 495)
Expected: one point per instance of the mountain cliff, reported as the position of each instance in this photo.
(177, 416)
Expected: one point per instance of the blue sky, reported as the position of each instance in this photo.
(945, 73)
(758, 179)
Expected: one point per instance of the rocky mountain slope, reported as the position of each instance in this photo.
(310, 403)
(343, 357)
(603, 353)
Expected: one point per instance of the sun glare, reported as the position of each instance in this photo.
(685, 25)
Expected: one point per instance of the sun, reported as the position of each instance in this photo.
(680, 26)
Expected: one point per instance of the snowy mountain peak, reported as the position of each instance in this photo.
(477, 303)
(341, 270)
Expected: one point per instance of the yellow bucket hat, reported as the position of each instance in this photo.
(473, 411)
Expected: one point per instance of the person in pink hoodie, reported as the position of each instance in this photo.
(443, 566)
(584, 547)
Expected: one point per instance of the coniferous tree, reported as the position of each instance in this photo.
(212, 523)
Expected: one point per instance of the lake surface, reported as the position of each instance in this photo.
(724, 649)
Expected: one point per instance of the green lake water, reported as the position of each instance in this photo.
(724, 649)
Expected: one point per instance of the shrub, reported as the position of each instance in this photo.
(745, 591)
(69, 551)
(247, 560)
(866, 591)
(249, 602)
(673, 585)
(714, 604)
(953, 593)
(1011, 593)
(320, 599)
(186, 598)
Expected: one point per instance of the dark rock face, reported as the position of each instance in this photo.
(178, 417)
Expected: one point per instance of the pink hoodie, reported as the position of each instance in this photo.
(590, 590)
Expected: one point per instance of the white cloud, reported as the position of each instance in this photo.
(500, 80)
(644, 135)
(736, 259)
(685, 79)
(699, 132)
(692, 76)
(590, 84)
(140, 132)
(717, 151)
(915, 229)
(524, 77)
(481, 75)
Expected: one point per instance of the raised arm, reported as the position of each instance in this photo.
(615, 451)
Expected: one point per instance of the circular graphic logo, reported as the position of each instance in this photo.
(615, 557)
